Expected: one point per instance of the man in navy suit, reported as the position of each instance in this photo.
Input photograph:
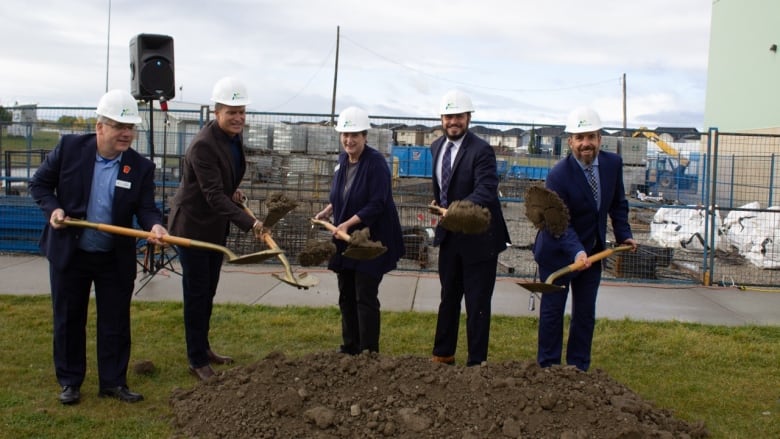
(96, 177)
(590, 183)
(465, 169)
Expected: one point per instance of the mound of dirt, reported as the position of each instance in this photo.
(332, 395)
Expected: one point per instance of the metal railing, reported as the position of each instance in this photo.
(728, 188)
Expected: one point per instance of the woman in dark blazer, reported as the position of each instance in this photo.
(361, 196)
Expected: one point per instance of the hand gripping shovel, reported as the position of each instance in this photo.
(359, 248)
(301, 281)
(549, 287)
(170, 239)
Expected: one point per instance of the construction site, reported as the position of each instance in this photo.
(703, 205)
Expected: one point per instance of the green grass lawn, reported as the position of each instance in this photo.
(729, 377)
(39, 140)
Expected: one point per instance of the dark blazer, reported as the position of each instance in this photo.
(202, 208)
(588, 225)
(64, 180)
(371, 198)
(474, 178)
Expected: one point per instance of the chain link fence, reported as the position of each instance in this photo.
(712, 220)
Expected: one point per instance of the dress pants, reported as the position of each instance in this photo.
(360, 316)
(201, 270)
(70, 290)
(475, 280)
(584, 287)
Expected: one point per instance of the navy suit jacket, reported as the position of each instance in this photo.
(64, 180)
(474, 178)
(588, 224)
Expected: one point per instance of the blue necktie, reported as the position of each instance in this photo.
(446, 172)
(594, 185)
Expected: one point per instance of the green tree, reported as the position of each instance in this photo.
(533, 148)
(5, 115)
(66, 121)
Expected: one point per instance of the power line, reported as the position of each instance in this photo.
(468, 84)
(298, 93)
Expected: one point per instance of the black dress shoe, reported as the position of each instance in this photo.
(121, 393)
(202, 373)
(215, 358)
(70, 395)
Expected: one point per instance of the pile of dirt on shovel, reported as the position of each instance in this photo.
(331, 395)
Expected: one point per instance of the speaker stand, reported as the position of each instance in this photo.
(156, 259)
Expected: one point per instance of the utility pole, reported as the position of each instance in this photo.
(108, 42)
(335, 80)
(624, 105)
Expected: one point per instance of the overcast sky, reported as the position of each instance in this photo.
(520, 60)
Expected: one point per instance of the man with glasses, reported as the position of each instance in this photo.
(100, 178)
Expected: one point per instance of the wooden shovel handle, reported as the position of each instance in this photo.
(341, 234)
(579, 264)
(126, 231)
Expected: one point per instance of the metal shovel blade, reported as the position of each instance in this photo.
(539, 287)
(363, 253)
(300, 281)
(549, 287)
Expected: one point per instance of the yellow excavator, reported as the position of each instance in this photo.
(668, 171)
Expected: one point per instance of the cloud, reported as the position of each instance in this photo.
(525, 61)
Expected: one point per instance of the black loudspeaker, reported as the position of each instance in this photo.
(151, 67)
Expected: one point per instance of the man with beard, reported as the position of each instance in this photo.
(464, 168)
(590, 183)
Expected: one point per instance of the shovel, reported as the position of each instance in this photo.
(301, 281)
(357, 249)
(170, 239)
(549, 287)
(462, 216)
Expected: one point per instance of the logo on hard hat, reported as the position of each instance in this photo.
(450, 105)
(125, 112)
(583, 123)
(348, 123)
(236, 95)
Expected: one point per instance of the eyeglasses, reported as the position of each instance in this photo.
(121, 126)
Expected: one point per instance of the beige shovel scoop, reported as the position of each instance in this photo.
(360, 247)
(232, 258)
(303, 280)
(462, 216)
(549, 287)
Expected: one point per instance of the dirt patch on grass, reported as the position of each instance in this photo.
(332, 395)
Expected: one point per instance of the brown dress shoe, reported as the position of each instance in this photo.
(446, 360)
(202, 373)
(215, 358)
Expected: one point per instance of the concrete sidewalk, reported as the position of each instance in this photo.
(419, 291)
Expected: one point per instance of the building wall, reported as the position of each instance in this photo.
(743, 78)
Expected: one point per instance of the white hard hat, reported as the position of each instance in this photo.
(230, 91)
(583, 120)
(353, 120)
(120, 106)
(455, 102)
